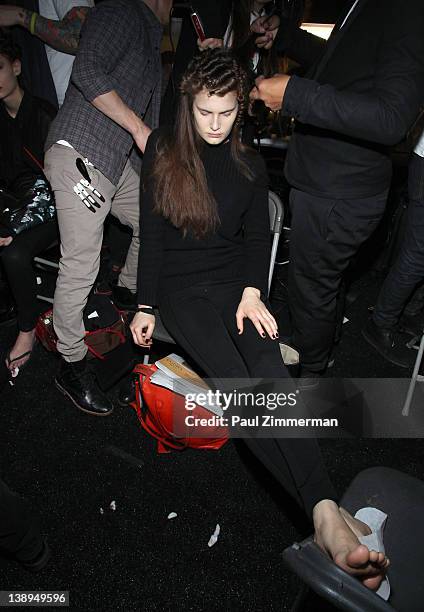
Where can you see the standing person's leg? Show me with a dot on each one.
(325, 236)
(126, 207)
(17, 259)
(81, 233)
(20, 534)
(408, 269)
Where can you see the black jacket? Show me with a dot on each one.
(362, 92)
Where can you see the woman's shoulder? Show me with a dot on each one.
(160, 135)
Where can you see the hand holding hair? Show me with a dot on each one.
(271, 91)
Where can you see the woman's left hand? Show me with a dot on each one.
(252, 307)
(5, 241)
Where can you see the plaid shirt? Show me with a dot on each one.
(119, 50)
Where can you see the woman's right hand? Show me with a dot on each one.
(209, 43)
(142, 327)
(5, 241)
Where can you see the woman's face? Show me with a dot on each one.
(214, 116)
(9, 72)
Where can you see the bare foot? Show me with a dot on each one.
(24, 343)
(336, 532)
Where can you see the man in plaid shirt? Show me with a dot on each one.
(111, 105)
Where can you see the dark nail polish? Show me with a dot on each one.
(277, 335)
(263, 335)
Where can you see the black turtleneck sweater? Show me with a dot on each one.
(238, 250)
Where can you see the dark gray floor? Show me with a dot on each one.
(134, 558)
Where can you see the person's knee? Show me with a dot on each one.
(15, 256)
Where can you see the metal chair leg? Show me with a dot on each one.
(409, 396)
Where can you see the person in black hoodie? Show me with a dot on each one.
(24, 124)
(204, 259)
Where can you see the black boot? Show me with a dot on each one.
(126, 393)
(389, 344)
(78, 383)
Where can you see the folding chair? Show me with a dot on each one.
(401, 497)
(414, 379)
(45, 264)
(276, 216)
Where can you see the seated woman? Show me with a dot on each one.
(24, 123)
(204, 257)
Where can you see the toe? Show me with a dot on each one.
(372, 583)
(374, 556)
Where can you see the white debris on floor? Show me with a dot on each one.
(102, 511)
(112, 505)
(172, 515)
(214, 537)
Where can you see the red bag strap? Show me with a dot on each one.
(144, 369)
(148, 426)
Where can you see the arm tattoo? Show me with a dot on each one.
(61, 35)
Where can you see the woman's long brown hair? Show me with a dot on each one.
(182, 193)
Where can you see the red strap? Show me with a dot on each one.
(34, 159)
(144, 369)
(148, 426)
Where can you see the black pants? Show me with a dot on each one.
(326, 234)
(408, 269)
(202, 321)
(20, 534)
(17, 260)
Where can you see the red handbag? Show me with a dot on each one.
(165, 413)
(99, 342)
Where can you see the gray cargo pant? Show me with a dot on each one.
(81, 235)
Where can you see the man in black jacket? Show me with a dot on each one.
(362, 91)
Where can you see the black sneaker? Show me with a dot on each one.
(308, 380)
(126, 393)
(78, 383)
(388, 344)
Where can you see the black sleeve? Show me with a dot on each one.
(151, 229)
(384, 114)
(47, 113)
(301, 46)
(256, 228)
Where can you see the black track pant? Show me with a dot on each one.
(17, 260)
(19, 530)
(202, 321)
(326, 235)
(408, 269)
